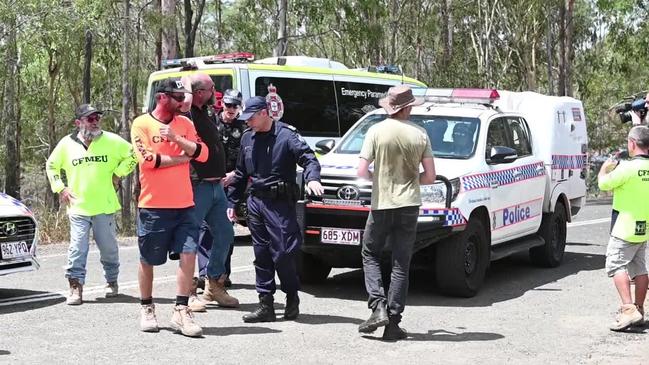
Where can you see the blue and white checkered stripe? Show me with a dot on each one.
(571, 162)
(452, 217)
(15, 202)
(503, 177)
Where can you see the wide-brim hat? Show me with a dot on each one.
(399, 97)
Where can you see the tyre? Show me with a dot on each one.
(461, 261)
(553, 231)
(311, 269)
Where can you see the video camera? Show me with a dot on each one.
(638, 106)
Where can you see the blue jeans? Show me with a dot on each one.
(211, 206)
(105, 233)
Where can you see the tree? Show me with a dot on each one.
(125, 125)
(282, 41)
(10, 118)
(192, 27)
(168, 30)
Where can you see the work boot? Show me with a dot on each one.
(628, 315)
(292, 309)
(111, 290)
(393, 332)
(378, 319)
(264, 313)
(227, 282)
(76, 292)
(148, 320)
(198, 283)
(182, 321)
(215, 291)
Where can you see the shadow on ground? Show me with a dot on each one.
(45, 299)
(444, 336)
(506, 279)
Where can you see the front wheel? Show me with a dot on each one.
(553, 231)
(461, 261)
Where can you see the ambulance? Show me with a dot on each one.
(511, 173)
(322, 98)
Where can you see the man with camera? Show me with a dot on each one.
(625, 253)
(639, 111)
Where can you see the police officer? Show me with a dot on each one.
(268, 155)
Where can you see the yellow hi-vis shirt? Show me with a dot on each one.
(89, 171)
(630, 184)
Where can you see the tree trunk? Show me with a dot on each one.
(125, 191)
(447, 32)
(87, 66)
(168, 30)
(562, 49)
(191, 29)
(157, 5)
(548, 44)
(12, 159)
(569, 47)
(282, 41)
(53, 70)
(219, 27)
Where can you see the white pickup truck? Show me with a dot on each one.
(512, 170)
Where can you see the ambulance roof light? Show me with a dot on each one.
(190, 62)
(475, 96)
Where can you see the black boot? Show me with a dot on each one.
(264, 313)
(292, 309)
(392, 331)
(378, 318)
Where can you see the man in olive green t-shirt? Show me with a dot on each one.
(93, 161)
(625, 253)
(397, 147)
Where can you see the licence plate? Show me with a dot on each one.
(340, 236)
(11, 250)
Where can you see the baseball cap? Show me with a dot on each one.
(85, 110)
(251, 106)
(171, 86)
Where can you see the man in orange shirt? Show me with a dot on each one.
(164, 143)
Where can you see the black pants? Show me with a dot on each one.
(398, 227)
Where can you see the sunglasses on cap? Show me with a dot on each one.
(176, 97)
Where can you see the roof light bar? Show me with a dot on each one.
(219, 58)
(476, 96)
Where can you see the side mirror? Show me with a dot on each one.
(502, 154)
(325, 146)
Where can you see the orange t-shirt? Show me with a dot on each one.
(164, 187)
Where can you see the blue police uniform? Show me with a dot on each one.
(268, 160)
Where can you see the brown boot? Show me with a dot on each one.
(76, 292)
(215, 291)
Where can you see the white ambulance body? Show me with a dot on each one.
(516, 166)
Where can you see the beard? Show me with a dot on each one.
(88, 134)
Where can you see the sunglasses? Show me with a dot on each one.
(93, 118)
(176, 97)
(228, 105)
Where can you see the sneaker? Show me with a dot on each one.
(182, 321)
(111, 289)
(76, 292)
(627, 315)
(148, 320)
(641, 310)
(197, 305)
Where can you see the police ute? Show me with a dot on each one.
(511, 170)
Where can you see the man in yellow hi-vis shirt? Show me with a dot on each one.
(93, 160)
(625, 254)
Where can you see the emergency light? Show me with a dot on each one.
(476, 96)
(190, 63)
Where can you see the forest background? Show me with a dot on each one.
(594, 50)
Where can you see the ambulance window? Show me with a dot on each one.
(221, 83)
(520, 136)
(309, 105)
(496, 135)
(356, 99)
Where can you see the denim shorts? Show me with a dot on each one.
(163, 232)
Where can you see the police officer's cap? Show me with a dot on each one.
(251, 106)
(232, 96)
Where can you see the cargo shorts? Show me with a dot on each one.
(626, 256)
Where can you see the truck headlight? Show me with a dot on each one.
(436, 193)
